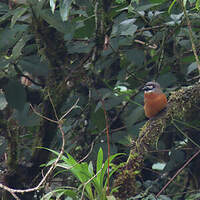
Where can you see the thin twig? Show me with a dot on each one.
(186, 136)
(108, 140)
(68, 168)
(59, 122)
(54, 109)
(37, 113)
(90, 180)
(177, 173)
(20, 73)
(190, 35)
(15, 196)
(70, 110)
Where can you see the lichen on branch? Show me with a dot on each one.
(181, 105)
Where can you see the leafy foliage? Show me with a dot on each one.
(87, 175)
(94, 51)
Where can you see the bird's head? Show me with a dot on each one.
(152, 87)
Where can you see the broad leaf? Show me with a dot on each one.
(136, 115)
(167, 79)
(147, 6)
(98, 120)
(59, 192)
(80, 47)
(26, 117)
(52, 5)
(3, 102)
(192, 67)
(3, 62)
(15, 95)
(126, 27)
(9, 37)
(65, 6)
(99, 164)
(34, 66)
(135, 56)
(16, 52)
(54, 20)
(18, 12)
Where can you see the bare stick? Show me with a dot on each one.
(37, 113)
(90, 180)
(191, 36)
(59, 122)
(54, 109)
(177, 173)
(70, 110)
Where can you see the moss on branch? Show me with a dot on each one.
(181, 105)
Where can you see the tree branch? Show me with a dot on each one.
(182, 104)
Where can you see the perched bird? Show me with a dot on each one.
(154, 99)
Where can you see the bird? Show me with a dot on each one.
(154, 99)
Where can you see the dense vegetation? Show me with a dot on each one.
(71, 73)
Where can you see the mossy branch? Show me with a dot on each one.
(181, 104)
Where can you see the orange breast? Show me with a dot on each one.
(154, 103)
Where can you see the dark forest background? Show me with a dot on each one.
(72, 71)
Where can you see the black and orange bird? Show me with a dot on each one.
(154, 99)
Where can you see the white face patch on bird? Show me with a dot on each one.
(151, 87)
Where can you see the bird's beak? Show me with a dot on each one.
(144, 88)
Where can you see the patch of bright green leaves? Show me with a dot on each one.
(88, 175)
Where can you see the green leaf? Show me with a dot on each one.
(60, 192)
(177, 157)
(16, 52)
(158, 1)
(126, 28)
(188, 59)
(52, 5)
(158, 166)
(9, 37)
(194, 196)
(3, 7)
(113, 101)
(3, 145)
(104, 62)
(197, 4)
(80, 47)
(135, 56)
(18, 12)
(3, 102)
(167, 79)
(55, 21)
(105, 168)
(65, 6)
(171, 5)
(136, 115)
(80, 170)
(6, 16)
(98, 119)
(110, 198)
(184, 2)
(15, 95)
(25, 117)
(99, 164)
(4, 62)
(85, 28)
(90, 168)
(37, 6)
(192, 67)
(34, 66)
(147, 6)
(176, 17)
